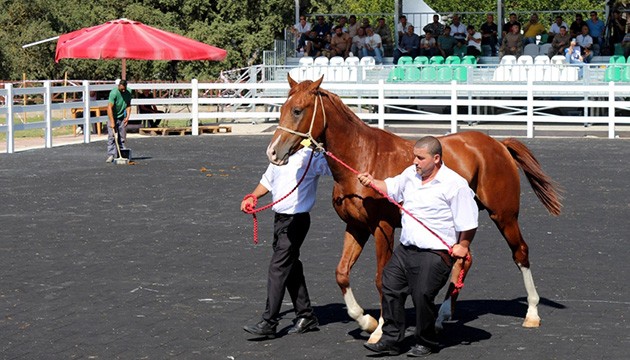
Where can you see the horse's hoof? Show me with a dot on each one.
(531, 323)
(375, 337)
(444, 316)
(368, 323)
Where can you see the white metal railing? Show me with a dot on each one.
(451, 103)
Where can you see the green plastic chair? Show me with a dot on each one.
(619, 59)
(412, 74)
(404, 60)
(469, 59)
(421, 60)
(625, 74)
(396, 74)
(444, 74)
(613, 73)
(460, 74)
(453, 60)
(437, 59)
(429, 73)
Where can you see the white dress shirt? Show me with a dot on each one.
(446, 205)
(281, 179)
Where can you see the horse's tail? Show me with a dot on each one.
(546, 189)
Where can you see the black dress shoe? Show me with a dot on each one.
(303, 325)
(383, 348)
(263, 328)
(419, 351)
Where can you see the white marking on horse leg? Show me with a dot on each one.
(271, 155)
(377, 333)
(366, 322)
(531, 319)
(444, 314)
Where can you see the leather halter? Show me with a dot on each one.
(309, 135)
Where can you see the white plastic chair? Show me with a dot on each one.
(320, 67)
(504, 71)
(337, 70)
(522, 72)
(558, 63)
(542, 68)
(352, 64)
(367, 63)
(305, 69)
(531, 50)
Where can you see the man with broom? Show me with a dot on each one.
(118, 112)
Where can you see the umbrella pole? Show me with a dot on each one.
(124, 69)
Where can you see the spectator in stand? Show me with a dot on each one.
(148, 109)
(555, 28)
(585, 42)
(617, 27)
(436, 27)
(574, 56)
(314, 44)
(446, 43)
(401, 27)
(409, 44)
(596, 29)
(576, 26)
(385, 33)
(474, 42)
(353, 26)
(508, 25)
(561, 41)
(365, 22)
(321, 27)
(340, 43)
(373, 46)
(327, 49)
(460, 49)
(512, 43)
(343, 23)
(358, 42)
(458, 30)
(625, 43)
(489, 34)
(428, 45)
(531, 29)
(300, 31)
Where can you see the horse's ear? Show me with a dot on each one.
(315, 85)
(292, 82)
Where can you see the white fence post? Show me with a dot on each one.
(381, 105)
(453, 107)
(87, 126)
(9, 103)
(611, 110)
(195, 106)
(48, 113)
(530, 107)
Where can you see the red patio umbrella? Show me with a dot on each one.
(128, 39)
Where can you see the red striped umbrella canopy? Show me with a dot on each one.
(128, 39)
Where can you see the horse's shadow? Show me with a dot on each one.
(456, 332)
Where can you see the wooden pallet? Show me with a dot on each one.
(205, 129)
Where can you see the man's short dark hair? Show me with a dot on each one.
(431, 143)
(123, 82)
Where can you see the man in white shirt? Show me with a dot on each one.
(474, 41)
(555, 28)
(420, 266)
(373, 45)
(291, 224)
(458, 30)
(585, 42)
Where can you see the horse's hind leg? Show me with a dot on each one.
(353, 243)
(520, 254)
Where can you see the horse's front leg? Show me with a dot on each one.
(353, 243)
(447, 309)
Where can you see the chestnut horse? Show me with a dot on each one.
(489, 166)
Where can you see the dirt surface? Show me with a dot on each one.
(155, 260)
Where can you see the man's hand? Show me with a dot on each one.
(459, 251)
(365, 179)
(247, 203)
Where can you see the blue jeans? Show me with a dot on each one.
(122, 136)
(377, 53)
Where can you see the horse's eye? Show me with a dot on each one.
(297, 112)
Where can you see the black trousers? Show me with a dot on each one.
(285, 268)
(421, 274)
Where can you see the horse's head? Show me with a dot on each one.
(301, 117)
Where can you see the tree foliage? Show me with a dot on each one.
(243, 27)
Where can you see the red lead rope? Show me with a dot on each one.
(460, 278)
(251, 209)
